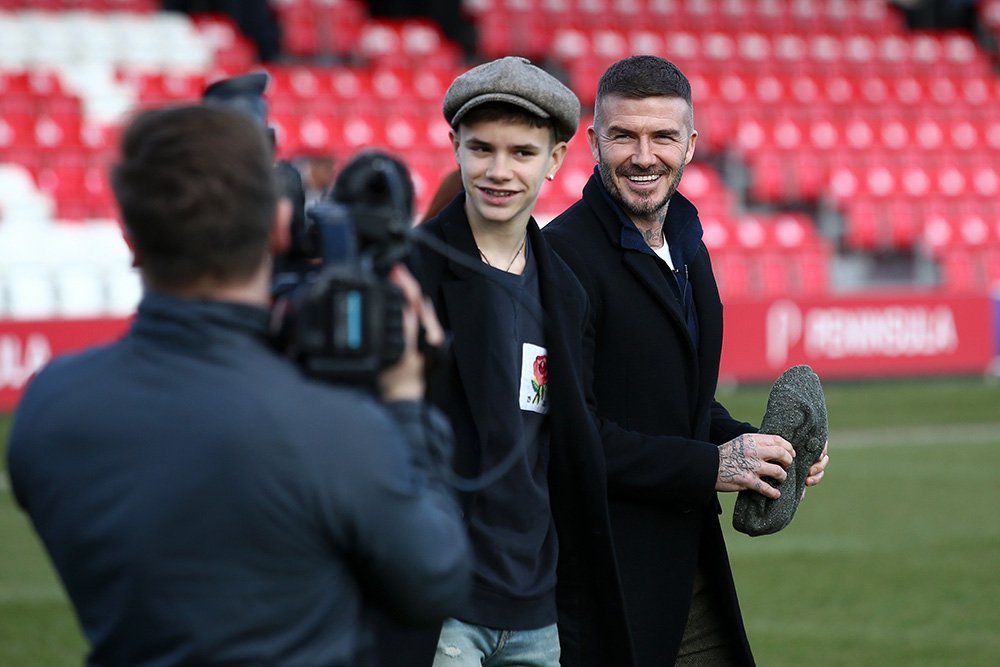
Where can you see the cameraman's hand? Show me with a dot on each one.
(404, 380)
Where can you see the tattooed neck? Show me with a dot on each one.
(654, 237)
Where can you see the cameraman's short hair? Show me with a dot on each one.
(197, 193)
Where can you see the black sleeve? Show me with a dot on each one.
(388, 506)
(670, 469)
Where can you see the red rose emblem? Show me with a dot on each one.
(541, 370)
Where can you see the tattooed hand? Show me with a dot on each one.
(746, 460)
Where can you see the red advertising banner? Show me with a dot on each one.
(877, 335)
(864, 336)
(27, 346)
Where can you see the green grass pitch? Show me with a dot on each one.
(893, 560)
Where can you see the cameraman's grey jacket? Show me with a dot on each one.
(205, 504)
(591, 620)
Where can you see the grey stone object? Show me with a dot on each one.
(796, 410)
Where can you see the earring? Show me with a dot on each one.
(551, 177)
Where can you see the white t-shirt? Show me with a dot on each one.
(663, 252)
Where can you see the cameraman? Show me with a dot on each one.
(202, 502)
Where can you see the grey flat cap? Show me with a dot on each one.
(796, 410)
(516, 81)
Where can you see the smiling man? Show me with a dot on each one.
(545, 587)
(652, 365)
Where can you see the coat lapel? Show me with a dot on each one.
(466, 295)
(644, 267)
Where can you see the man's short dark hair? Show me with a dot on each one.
(197, 193)
(511, 113)
(639, 77)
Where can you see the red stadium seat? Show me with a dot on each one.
(962, 270)
(319, 133)
(859, 134)
(773, 274)
(975, 91)
(860, 50)
(803, 89)
(879, 180)
(928, 134)
(751, 233)
(790, 50)
(732, 272)
(788, 133)
(648, 42)
(610, 44)
(861, 229)
(990, 132)
(362, 132)
(937, 233)
(812, 268)
(915, 181)
(902, 220)
(733, 88)
(429, 84)
(684, 46)
(299, 36)
(17, 131)
(963, 135)
(436, 133)
(909, 90)
(350, 84)
(391, 83)
(985, 179)
(569, 182)
(893, 134)
(718, 50)
(286, 133)
(404, 133)
(791, 232)
(810, 173)
(768, 180)
(823, 133)
(56, 132)
(951, 180)
(974, 231)
(753, 47)
(991, 259)
(715, 232)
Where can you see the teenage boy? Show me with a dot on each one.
(545, 580)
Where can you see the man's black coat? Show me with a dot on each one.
(654, 391)
(591, 619)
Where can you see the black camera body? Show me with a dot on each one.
(334, 311)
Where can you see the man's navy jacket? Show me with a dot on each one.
(205, 504)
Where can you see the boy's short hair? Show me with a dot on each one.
(507, 112)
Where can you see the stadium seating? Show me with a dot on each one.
(825, 105)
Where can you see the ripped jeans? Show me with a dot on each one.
(465, 645)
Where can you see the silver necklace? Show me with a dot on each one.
(512, 259)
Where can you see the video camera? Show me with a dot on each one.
(334, 311)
